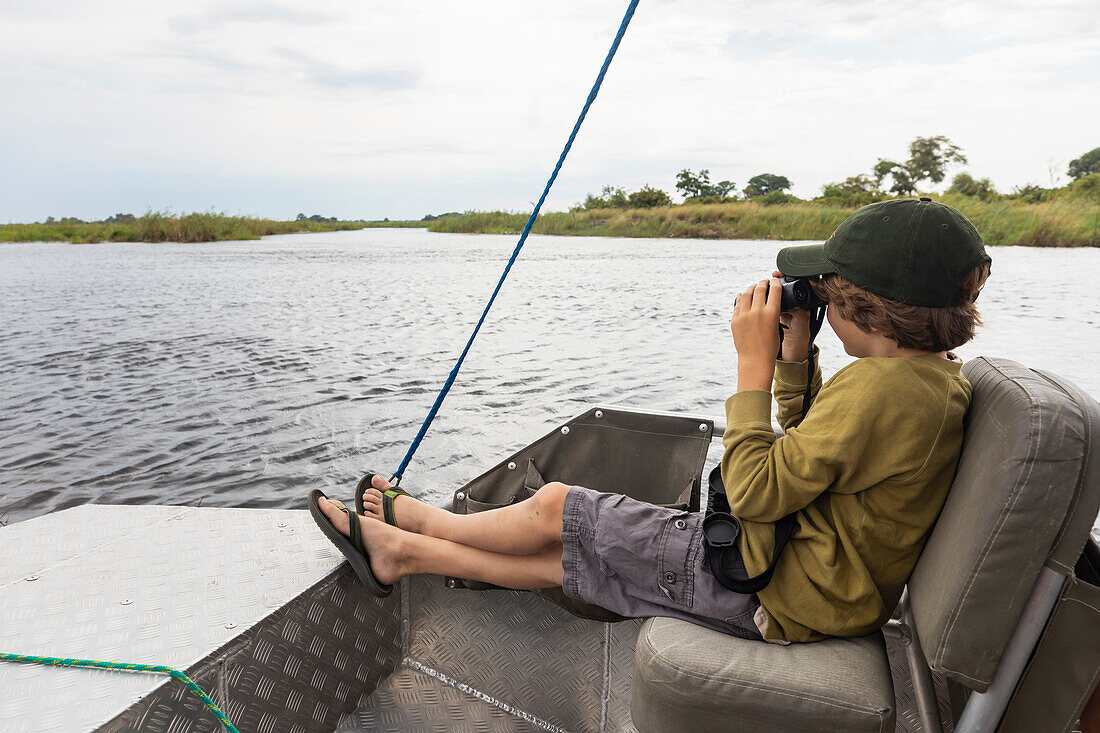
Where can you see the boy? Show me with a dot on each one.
(866, 470)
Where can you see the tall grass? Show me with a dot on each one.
(741, 220)
(1059, 223)
(161, 227)
(1063, 222)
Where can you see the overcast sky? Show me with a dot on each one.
(398, 109)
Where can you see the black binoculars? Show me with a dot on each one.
(797, 295)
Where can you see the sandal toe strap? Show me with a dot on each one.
(355, 530)
(387, 504)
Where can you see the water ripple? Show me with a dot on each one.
(246, 373)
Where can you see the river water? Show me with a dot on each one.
(246, 373)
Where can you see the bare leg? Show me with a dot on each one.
(395, 553)
(520, 529)
(430, 555)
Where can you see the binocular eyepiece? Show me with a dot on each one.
(797, 295)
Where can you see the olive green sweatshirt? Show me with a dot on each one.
(867, 470)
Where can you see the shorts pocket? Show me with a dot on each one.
(675, 560)
(626, 538)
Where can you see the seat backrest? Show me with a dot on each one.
(1026, 493)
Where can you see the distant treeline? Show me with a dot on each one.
(928, 163)
(1066, 216)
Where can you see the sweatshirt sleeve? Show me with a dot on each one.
(790, 386)
(768, 477)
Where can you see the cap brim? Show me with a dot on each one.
(803, 261)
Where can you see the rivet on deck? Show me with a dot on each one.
(31, 578)
(126, 601)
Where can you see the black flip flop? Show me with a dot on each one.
(351, 547)
(387, 498)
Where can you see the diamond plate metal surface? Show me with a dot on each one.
(521, 650)
(172, 707)
(30, 547)
(311, 666)
(251, 601)
(256, 606)
(410, 701)
(624, 637)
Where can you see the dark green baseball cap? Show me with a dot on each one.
(909, 250)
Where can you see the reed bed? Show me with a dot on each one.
(161, 227)
(1066, 222)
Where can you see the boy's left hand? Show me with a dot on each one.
(755, 327)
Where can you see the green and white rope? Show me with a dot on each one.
(155, 668)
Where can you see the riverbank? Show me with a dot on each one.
(1059, 223)
(156, 227)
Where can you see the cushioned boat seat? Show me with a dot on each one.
(690, 678)
(1025, 495)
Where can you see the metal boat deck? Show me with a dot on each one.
(258, 608)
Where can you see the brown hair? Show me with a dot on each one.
(910, 326)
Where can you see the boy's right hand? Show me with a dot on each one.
(796, 337)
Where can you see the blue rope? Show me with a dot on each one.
(519, 245)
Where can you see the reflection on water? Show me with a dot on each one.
(245, 373)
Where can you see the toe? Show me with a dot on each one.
(331, 509)
(380, 483)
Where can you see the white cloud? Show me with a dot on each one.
(383, 109)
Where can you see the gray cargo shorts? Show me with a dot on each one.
(641, 560)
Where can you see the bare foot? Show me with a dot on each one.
(381, 541)
(409, 513)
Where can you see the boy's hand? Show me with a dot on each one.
(755, 327)
(796, 339)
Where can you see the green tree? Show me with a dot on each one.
(615, 197)
(611, 197)
(929, 158)
(850, 186)
(853, 191)
(697, 185)
(1086, 164)
(776, 197)
(1032, 193)
(967, 185)
(901, 182)
(648, 197)
(766, 183)
(1086, 187)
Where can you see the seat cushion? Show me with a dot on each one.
(690, 678)
(1025, 494)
